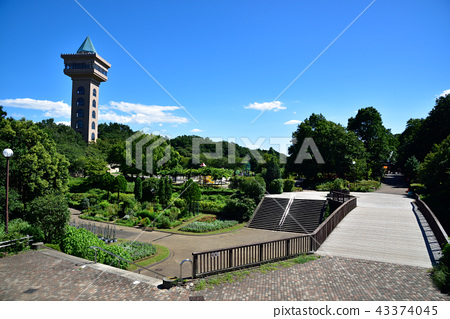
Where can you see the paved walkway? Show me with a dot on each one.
(48, 275)
(383, 227)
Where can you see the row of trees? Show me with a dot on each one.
(361, 149)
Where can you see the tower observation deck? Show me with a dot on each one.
(87, 70)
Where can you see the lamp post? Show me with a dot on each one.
(354, 172)
(7, 153)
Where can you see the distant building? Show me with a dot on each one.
(87, 70)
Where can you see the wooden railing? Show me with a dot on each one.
(324, 230)
(433, 222)
(226, 259)
(339, 196)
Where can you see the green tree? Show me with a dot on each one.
(273, 171)
(435, 170)
(408, 141)
(412, 166)
(120, 185)
(68, 142)
(107, 182)
(15, 205)
(150, 189)
(379, 142)
(138, 189)
(50, 213)
(337, 147)
(165, 190)
(191, 193)
(2, 113)
(37, 167)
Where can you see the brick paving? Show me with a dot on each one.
(39, 275)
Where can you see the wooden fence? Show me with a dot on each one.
(226, 259)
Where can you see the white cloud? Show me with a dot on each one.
(292, 122)
(50, 108)
(124, 112)
(196, 130)
(266, 106)
(67, 123)
(445, 93)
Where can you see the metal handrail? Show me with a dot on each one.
(118, 257)
(14, 241)
(181, 268)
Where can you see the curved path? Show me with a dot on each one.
(182, 246)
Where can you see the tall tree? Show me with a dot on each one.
(36, 167)
(138, 189)
(120, 184)
(165, 190)
(337, 147)
(378, 141)
(191, 193)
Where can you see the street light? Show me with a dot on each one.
(354, 172)
(7, 153)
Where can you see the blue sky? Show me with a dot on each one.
(229, 69)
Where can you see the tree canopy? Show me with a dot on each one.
(337, 146)
(36, 167)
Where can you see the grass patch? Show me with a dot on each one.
(176, 230)
(239, 275)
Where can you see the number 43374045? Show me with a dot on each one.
(405, 310)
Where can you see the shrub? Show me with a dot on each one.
(441, 272)
(18, 228)
(276, 186)
(76, 242)
(208, 206)
(180, 203)
(288, 185)
(145, 222)
(239, 208)
(253, 187)
(50, 213)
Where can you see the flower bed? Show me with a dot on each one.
(204, 227)
(138, 250)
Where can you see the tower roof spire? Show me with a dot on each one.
(86, 46)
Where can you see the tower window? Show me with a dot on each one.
(80, 102)
(94, 104)
(80, 90)
(79, 124)
(93, 136)
(93, 114)
(94, 93)
(93, 125)
(80, 113)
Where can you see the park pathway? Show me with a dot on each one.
(383, 227)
